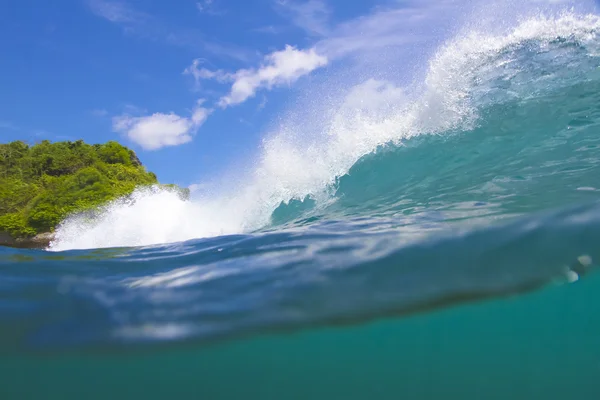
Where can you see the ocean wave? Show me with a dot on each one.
(479, 181)
(470, 81)
(335, 273)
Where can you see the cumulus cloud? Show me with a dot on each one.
(279, 68)
(159, 130)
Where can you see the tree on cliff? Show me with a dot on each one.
(41, 184)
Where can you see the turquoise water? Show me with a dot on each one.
(542, 345)
(442, 245)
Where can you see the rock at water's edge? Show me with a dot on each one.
(40, 241)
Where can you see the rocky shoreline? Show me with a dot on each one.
(40, 241)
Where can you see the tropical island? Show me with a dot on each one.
(42, 184)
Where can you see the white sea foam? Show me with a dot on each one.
(293, 165)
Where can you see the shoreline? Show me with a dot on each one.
(40, 241)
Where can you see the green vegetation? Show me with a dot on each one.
(40, 185)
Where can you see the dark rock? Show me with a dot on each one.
(40, 241)
(6, 239)
(134, 159)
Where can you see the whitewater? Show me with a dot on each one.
(433, 235)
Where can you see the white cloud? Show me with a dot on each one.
(280, 67)
(384, 28)
(412, 23)
(204, 5)
(311, 15)
(116, 11)
(208, 7)
(203, 73)
(262, 104)
(159, 130)
(200, 114)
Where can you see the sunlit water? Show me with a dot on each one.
(441, 245)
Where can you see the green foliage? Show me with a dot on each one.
(114, 153)
(40, 185)
(16, 225)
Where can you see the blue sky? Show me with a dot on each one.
(190, 85)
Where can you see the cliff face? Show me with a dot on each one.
(42, 184)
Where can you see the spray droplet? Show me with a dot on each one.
(585, 260)
(572, 276)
